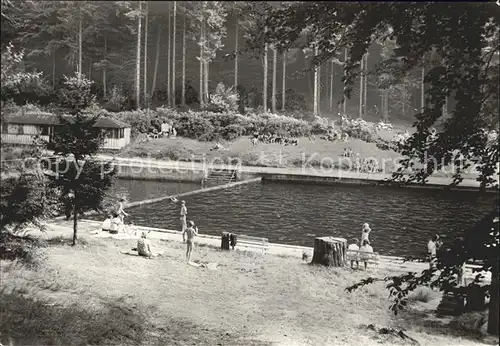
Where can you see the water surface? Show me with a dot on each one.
(402, 220)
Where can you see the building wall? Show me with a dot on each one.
(29, 131)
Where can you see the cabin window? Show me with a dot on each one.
(122, 133)
(20, 130)
(44, 130)
(112, 133)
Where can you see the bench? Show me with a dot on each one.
(252, 242)
(361, 256)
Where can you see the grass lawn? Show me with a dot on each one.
(93, 294)
(315, 153)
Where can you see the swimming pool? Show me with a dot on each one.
(402, 220)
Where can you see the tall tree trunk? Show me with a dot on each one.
(138, 62)
(146, 103)
(315, 93)
(236, 56)
(169, 76)
(157, 59)
(318, 82)
(104, 70)
(80, 60)
(205, 70)
(332, 73)
(202, 94)
(173, 54)
(283, 96)
(53, 68)
(75, 221)
(403, 108)
(361, 88)
(90, 69)
(275, 60)
(183, 92)
(445, 107)
(264, 89)
(344, 99)
(422, 88)
(365, 81)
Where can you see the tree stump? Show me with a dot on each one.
(224, 245)
(330, 251)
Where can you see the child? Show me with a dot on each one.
(183, 216)
(191, 232)
(365, 233)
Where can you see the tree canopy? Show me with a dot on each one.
(464, 35)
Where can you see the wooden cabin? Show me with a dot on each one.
(21, 129)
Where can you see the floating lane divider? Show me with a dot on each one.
(207, 189)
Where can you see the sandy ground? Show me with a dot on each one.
(251, 299)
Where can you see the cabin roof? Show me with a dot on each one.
(52, 119)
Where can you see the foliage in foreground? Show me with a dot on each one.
(82, 180)
(466, 38)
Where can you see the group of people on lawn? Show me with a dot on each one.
(356, 253)
(114, 224)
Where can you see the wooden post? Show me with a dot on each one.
(224, 245)
(330, 251)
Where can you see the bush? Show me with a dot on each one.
(117, 99)
(223, 100)
(422, 294)
(191, 95)
(472, 322)
(360, 129)
(76, 94)
(207, 126)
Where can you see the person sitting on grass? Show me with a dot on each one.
(106, 225)
(366, 252)
(116, 222)
(354, 256)
(191, 231)
(144, 247)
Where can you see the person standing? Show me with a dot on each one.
(191, 231)
(365, 233)
(120, 211)
(432, 247)
(183, 215)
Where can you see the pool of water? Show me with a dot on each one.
(402, 220)
(138, 190)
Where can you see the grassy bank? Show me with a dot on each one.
(94, 294)
(310, 153)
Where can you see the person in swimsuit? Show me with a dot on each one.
(120, 211)
(191, 231)
(365, 233)
(183, 214)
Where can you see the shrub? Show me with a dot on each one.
(191, 95)
(422, 294)
(117, 100)
(76, 94)
(223, 100)
(360, 129)
(472, 322)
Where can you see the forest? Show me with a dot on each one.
(141, 54)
